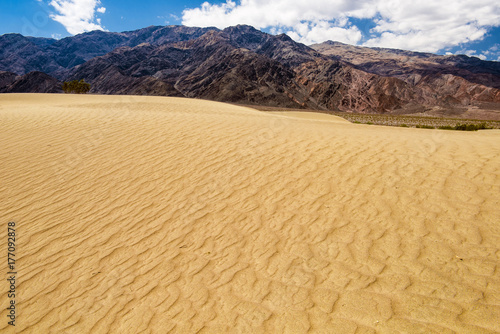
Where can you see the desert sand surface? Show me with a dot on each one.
(316, 116)
(158, 215)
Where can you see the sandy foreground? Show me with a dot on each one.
(156, 215)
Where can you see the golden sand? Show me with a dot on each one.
(157, 215)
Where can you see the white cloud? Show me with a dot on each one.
(309, 33)
(425, 25)
(492, 53)
(305, 21)
(433, 25)
(471, 53)
(77, 16)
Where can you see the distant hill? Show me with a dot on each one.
(244, 65)
(411, 66)
(33, 82)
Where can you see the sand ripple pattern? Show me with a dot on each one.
(167, 215)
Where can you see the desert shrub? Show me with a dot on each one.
(403, 125)
(465, 127)
(471, 127)
(482, 126)
(424, 126)
(461, 127)
(75, 86)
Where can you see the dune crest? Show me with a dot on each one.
(153, 214)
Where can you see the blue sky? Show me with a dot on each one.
(453, 26)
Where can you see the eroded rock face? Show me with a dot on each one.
(438, 80)
(6, 78)
(33, 82)
(242, 64)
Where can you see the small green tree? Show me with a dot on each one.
(75, 86)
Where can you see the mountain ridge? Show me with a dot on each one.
(244, 65)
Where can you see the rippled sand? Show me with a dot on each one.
(153, 214)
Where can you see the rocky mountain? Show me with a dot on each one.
(411, 66)
(21, 54)
(7, 78)
(209, 67)
(33, 82)
(244, 65)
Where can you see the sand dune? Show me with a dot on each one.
(157, 215)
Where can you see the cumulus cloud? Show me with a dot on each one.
(425, 25)
(313, 32)
(305, 21)
(433, 25)
(78, 16)
(492, 53)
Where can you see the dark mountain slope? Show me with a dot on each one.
(408, 65)
(33, 82)
(208, 67)
(6, 78)
(242, 64)
(21, 54)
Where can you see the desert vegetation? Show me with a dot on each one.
(75, 86)
(405, 121)
(422, 122)
(466, 127)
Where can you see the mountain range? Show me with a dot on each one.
(241, 64)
